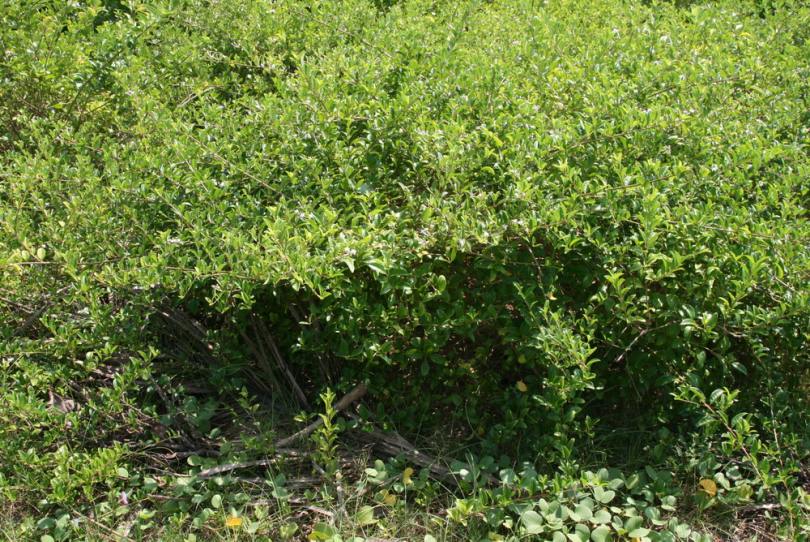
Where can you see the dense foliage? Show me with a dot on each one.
(564, 232)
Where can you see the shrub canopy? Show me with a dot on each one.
(507, 213)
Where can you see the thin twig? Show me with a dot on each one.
(32, 318)
(394, 444)
(264, 333)
(261, 358)
(354, 395)
(229, 467)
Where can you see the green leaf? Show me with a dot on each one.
(633, 523)
(601, 516)
(584, 512)
(668, 503)
(216, 501)
(603, 496)
(581, 533)
(532, 522)
(194, 460)
(683, 530)
(287, 530)
(146, 514)
(365, 516)
(601, 534)
(376, 266)
(638, 533)
(654, 515)
(323, 532)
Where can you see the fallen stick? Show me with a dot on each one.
(228, 467)
(394, 444)
(264, 333)
(767, 507)
(282, 449)
(294, 484)
(357, 392)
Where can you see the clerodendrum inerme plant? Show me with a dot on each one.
(518, 218)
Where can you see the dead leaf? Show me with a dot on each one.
(709, 486)
(233, 522)
(60, 403)
(406, 476)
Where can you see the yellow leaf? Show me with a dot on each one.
(406, 476)
(522, 387)
(390, 499)
(233, 522)
(709, 487)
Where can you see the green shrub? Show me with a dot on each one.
(536, 221)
